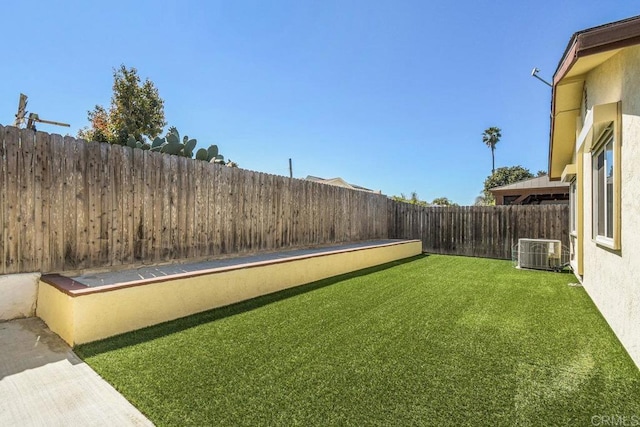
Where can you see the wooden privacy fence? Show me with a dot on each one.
(67, 204)
(480, 231)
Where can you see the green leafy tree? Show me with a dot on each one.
(413, 199)
(136, 111)
(99, 130)
(541, 173)
(481, 200)
(443, 201)
(503, 176)
(491, 137)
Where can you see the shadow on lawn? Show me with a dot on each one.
(173, 326)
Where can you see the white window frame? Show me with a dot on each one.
(606, 142)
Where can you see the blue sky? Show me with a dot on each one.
(389, 95)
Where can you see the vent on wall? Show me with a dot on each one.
(540, 254)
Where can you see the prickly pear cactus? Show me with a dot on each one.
(201, 154)
(171, 144)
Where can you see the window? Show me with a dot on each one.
(603, 184)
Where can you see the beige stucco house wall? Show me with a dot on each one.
(609, 92)
(612, 278)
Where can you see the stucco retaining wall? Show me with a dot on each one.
(81, 314)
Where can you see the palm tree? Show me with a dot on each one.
(491, 137)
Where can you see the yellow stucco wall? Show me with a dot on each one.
(56, 309)
(612, 277)
(87, 317)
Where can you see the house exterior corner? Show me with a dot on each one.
(600, 145)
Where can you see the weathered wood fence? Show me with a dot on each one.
(67, 204)
(480, 231)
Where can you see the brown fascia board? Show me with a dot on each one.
(614, 35)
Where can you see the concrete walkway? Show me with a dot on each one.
(43, 383)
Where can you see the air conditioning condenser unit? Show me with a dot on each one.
(540, 254)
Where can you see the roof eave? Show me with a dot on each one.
(593, 41)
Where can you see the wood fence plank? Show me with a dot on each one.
(188, 203)
(82, 202)
(310, 213)
(106, 206)
(94, 206)
(220, 197)
(138, 240)
(208, 199)
(69, 216)
(200, 210)
(263, 212)
(257, 213)
(41, 201)
(304, 215)
(190, 207)
(244, 225)
(275, 189)
(158, 241)
(266, 211)
(225, 209)
(231, 209)
(289, 211)
(306, 207)
(148, 215)
(214, 190)
(239, 182)
(295, 188)
(128, 195)
(247, 225)
(173, 184)
(26, 203)
(168, 219)
(12, 200)
(222, 208)
(281, 191)
(56, 204)
(117, 172)
(280, 196)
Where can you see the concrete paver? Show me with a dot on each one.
(43, 383)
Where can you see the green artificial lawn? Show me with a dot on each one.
(433, 340)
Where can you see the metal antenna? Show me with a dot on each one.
(33, 117)
(534, 73)
(22, 105)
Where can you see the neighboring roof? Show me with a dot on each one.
(340, 183)
(586, 50)
(540, 182)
